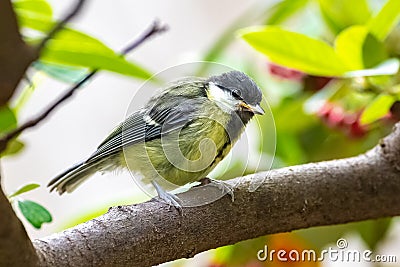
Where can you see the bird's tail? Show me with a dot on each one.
(71, 178)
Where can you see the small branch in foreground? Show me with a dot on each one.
(154, 29)
(60, 25)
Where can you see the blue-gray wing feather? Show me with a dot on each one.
(136, 128)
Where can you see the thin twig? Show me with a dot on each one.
(61, 24)
(154, 29)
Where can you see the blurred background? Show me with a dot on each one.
(318, 115)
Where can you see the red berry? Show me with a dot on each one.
(325, 110)
(336, 116)
(356, 130)
(350, 118)
(285, 73)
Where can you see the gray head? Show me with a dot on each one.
(234, 91)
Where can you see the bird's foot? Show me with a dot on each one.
(223, 186)
(168, 198)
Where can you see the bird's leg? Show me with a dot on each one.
(223, 186)
(169, 198)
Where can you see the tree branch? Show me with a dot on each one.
(60, 25)
(15, 55)
(325, 193)
(155, 28)
(16, 248)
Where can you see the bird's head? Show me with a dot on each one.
(234, 91)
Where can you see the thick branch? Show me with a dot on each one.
(15, 246)
(325, 193)
(15, 55)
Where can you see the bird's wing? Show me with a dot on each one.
(144, 126)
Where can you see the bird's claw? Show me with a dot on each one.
(223, 186)
(169, 198)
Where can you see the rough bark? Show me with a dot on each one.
(325, 193)
(15, 247)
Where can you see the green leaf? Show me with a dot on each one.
(34, 14)
(60, 72)
(342, 14)
(378, 108)
(8, 121)
(26, 92)
(387, 18)
(38, 8)
(90, 56)
(13, 147)
(388, 67)
(75, 36)
(35, 22)
(359, 49)
(373, 51)
(295, 50)
(348, 45)
(74, 48)
(284, 9)
(373, 231)
(71, 47)
(24, 189)
(35, 213)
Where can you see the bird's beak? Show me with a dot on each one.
(256, 109)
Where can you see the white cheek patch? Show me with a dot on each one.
(221, 97)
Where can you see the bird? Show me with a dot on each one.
(177, 138)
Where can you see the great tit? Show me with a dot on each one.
(179, 136)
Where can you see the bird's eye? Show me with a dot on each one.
(236, 94)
